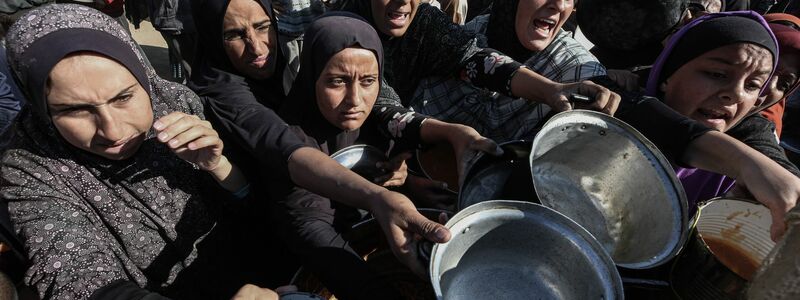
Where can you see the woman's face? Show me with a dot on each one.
(538, 21)
(720, 87)
(249, 39)
(348, 87)
(104, 111)
(784, 79)
(392, 17)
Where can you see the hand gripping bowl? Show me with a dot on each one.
(504, 249)
(606, 176)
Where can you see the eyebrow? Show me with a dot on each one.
(241, 29)
(119, 95)
(728, 63)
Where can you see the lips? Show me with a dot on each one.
(259, 62)
(349, 115)
(544, 26)
(715, 117)
(397, 19)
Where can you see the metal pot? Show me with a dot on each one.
(519, 250)
(438, 162)
(606, 176)
(362, 160)
(505, 177)
(730, 239)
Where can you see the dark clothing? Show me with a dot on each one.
(312, 224)
(434, 46)
(94, 227)
(11, 99)
(758, 133)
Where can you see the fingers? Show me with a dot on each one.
(253, 292)
(398, 171)
(286, 289)
(605, 100)
(487, 145)
(396, 163)
(178, 130)
(428, 229)
(778, 227)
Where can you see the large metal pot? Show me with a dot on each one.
(519, 250)
(729, 241)
(505, 177)
(606, 176)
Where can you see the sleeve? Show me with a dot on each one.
(258, 130)
(69, 258)
(394, 121)
(492, 70)
(124, 290)
(670, 131)
(9, 104)
(450, 49)
(757, 132)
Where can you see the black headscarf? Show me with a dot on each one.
(501, 32)
(213, 74)
(325, 37)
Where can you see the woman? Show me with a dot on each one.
(507, 28)
(420, 41)
(787, 30)
(237, 82)
(713, 71)
(331, 99)
(116, 187)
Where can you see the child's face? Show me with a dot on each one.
(720, 87)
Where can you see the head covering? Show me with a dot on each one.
(788, 43)
(213, 74)
(143, 197)
(501, 32)
(628, 25)
(707, 33)
(327, 36)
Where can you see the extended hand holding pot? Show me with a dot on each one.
(403, 226)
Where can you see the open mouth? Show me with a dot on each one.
(397, 19)
(544, 26)
(715, 115)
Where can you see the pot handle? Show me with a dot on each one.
(424, 249)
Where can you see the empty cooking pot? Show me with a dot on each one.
(606, 176)
(504, 249)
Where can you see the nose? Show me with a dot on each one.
(562, 5)
(108, 125)
(733, 93)
(353, 94)
(256, 44)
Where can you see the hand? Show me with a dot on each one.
(773, 186)
(397, 170)
(403, 226)
(605, 101)
(430, 193)
(625, 79)
(467, 144)
(192, 139)
(252, 292)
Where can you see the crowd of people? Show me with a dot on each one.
(118, 184)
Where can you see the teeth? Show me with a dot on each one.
(551, 22)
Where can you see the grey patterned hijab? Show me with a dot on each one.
(87, 221)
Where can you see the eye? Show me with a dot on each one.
(785, 83)
(716, 74)
(122, 99)
(336, 81)
(368, 81)
(73, 112)
(231, 36)
(264, 27)
(753, 85)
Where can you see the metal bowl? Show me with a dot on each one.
(504, 177)
(606, 176)
(299, 296)
(362, 160)
(519, 250)
(730, 241)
